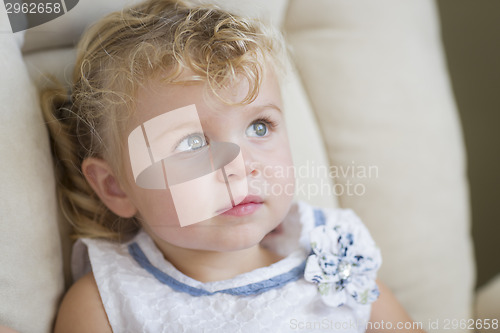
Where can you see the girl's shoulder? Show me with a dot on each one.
(100, 251)
(313, 215)
(344, 221)
(81, 309)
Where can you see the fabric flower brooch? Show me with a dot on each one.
(344, 262)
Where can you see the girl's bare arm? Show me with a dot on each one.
(388, 310)
(81, 310)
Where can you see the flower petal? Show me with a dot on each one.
(363, 289)
(333, 296)
(312, 272)
(324, 239)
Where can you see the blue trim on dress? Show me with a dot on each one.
(250, 289)
(319, 217)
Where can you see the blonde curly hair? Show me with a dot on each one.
(158, 39)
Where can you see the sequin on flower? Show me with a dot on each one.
(344, 262)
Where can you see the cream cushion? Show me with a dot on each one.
(375, 77)
(31, 279)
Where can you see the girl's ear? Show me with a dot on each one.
(105, 184)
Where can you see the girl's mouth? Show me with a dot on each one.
(248, 206)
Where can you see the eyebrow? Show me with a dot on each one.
(266, 106)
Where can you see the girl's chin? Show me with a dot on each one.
(207, 236)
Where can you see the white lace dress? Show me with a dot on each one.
(324, 283)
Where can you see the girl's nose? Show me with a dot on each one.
(228, 157)
(252, 167)
(234, 172)
(244, 166)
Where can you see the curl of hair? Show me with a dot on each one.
(79, 204)
(156, 39)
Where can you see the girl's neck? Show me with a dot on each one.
(208, 266)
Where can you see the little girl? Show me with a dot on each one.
(165, 156)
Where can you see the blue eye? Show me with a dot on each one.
(257, 129)
(192, 142)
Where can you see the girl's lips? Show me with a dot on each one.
(243, 209)
(246, 207)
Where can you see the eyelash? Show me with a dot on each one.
(266, 120)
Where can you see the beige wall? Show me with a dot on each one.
(471, 36)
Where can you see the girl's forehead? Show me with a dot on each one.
(156, 97)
